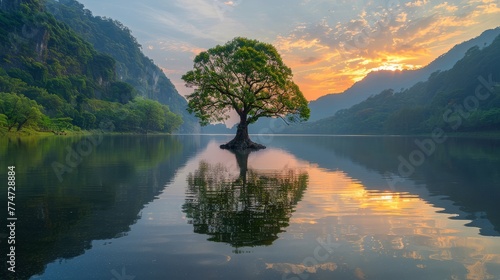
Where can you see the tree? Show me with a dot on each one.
(121, 92)
(19, 110)
(172, 120)
(152, 114)
(246, 76)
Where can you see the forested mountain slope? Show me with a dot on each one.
(377, 81)
(51, 79)
(132, 66)
(464, 98)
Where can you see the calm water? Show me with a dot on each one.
(178, 207)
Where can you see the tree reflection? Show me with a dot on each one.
(242, 207)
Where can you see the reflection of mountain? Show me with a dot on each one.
(100, 199)
(249, 208)
(463, 170)
(378, 81)
(366, 228)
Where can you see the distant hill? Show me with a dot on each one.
(218, 129)
(375, 82)
(464, 98)
(132, 66)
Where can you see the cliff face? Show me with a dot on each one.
(41, 38)
(27, 36)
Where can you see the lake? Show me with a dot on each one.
(307, 207)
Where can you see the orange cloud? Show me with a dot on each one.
(448, 7)
(489, 7)
(329, 57)
(418, 3)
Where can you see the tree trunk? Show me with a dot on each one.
(242, 141)
(242, 160)
(20, 124)
(242, 133)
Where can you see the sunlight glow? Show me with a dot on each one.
(395, 67)
(346, 210)
(367, 217)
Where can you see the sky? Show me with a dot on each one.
(329, 45)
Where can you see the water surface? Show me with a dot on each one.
(307, 207)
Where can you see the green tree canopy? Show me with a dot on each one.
(19, 110)
(246, 76)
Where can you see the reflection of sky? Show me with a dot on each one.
(398, 224)
(328, 44)
(373, 232)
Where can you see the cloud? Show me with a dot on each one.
(402, 17)
(446, 6)
(178, 46)
(198, 9)
(310, 60)
(418, 3)
(328, 44)
(378, 37)
(301, 268)
(487, 6)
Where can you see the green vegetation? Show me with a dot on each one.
(18, 110)
(246, 76)
(53, 80)
(465, 98)
(127, 173)
(245, 211)
(111, 37)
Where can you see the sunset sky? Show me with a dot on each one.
(328, 44)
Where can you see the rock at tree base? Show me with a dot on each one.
(242, 145)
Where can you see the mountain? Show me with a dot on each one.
(465, 98)
(52, 79)
(111, 37)
(374, 83)
(377, 81)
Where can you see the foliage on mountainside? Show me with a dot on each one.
(111, 37)
(465, 98)
(51, 80)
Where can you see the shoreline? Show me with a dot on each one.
(33, 133)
